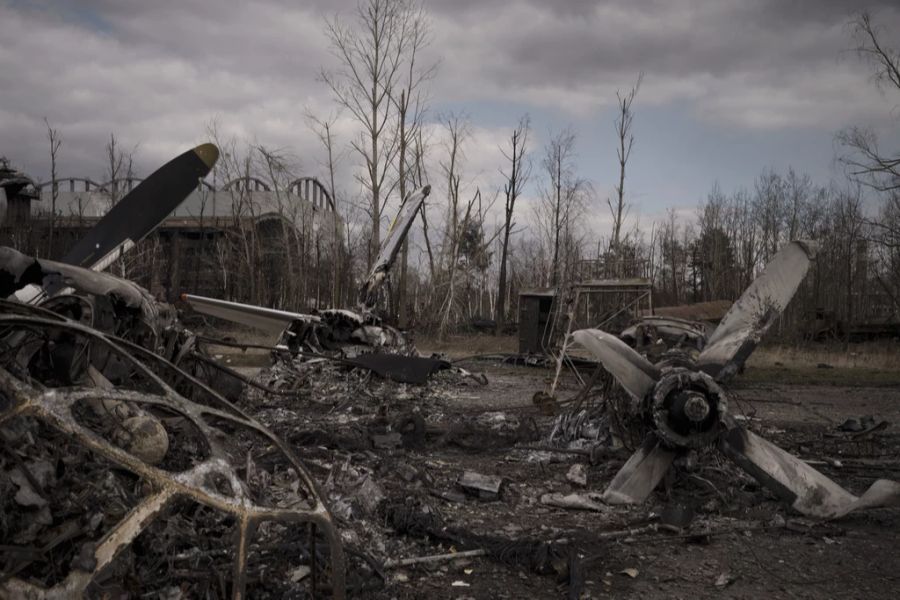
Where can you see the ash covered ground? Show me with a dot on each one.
(390, 458)
(457, 489)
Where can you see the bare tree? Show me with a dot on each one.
(560, 197)
(618, 208)
(323, 128)
(119, 167)
(516, 178)
(456, 130)
(242, 249)
(373, 53)
(275, 165)
(55, 140)
(410, 106)
(770, 207)
(864, 159)
(420, 178)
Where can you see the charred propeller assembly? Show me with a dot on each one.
(686, 407)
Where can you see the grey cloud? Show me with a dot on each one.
(155, 72)
(672, 38)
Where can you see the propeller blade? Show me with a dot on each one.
(143, 208)
(807, 490)
(634, 372)
(750, 317)
(266, 319)
(640, 475)
(392, 243)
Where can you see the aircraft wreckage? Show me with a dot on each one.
(94, 364)
(91, 370)
(682, 399)
(120, 435)
(356, 338)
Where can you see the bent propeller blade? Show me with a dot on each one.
(640, 475)
(794, 481)
(634, 372)
(391, 245)
(750, 317)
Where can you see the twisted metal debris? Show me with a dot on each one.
(46, 362)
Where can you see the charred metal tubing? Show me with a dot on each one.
(594, 454)
(54, 406)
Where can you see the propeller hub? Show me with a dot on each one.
(695, 407)
(686, 408)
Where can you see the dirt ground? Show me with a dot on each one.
(394, 499)
(741, 543)
(757, 548)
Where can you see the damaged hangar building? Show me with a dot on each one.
(195, 248)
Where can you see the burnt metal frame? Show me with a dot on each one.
(639, 289)
(54, 407)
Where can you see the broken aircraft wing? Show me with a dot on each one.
(266, 319)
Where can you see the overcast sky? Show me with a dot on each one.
(730, 86)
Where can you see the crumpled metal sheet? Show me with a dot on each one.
(32, 271)
(17, 271)
(399, 368)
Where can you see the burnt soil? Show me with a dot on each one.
(387, 457)
(741, 543)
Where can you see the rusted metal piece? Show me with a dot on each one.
(22, 395)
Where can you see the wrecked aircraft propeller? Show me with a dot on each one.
(135, 216)
(111, 304)
(361, 337)
(688, 409)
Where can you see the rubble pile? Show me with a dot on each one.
(417, 479)
(100, 451)
(408, 471)
(123, 474)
